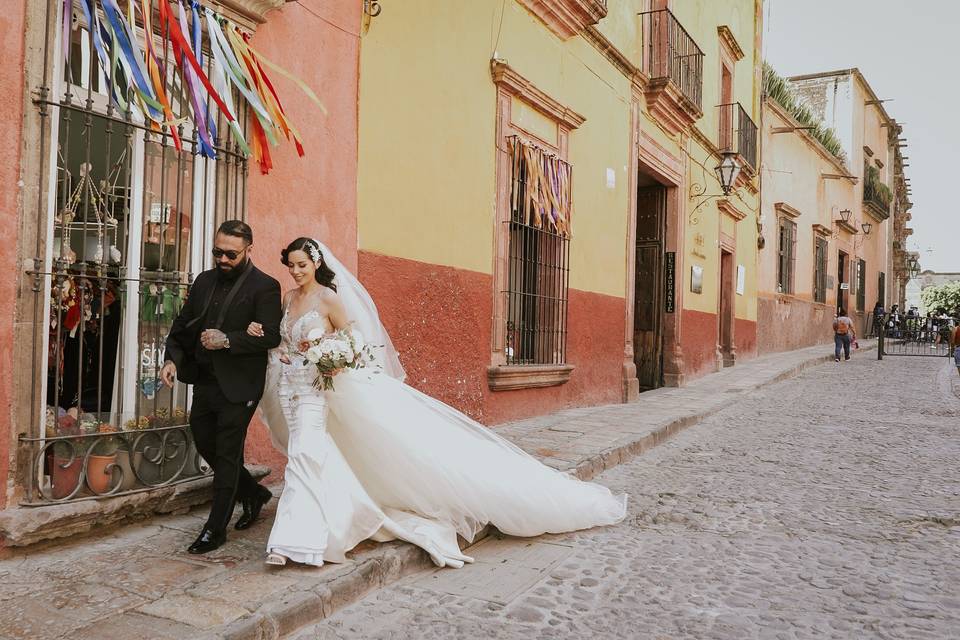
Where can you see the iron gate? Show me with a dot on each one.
(916, 335)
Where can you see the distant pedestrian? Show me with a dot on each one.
(843, 335)
(893, 324)
(878, 314)
(955, 345)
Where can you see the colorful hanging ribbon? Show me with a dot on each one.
(139, 76)
(194, 92)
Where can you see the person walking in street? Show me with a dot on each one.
(208, 346)
(955, 346)
(878, 314)
(893, 324)
(843, 335)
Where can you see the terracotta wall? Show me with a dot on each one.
(11, 123)
(785, 324)
(745, 339)
(698, 340)
(315, 195)
(442, 332)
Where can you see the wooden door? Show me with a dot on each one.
(648, 286)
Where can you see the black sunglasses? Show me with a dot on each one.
(231, 255)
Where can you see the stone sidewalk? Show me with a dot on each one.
(139, 581)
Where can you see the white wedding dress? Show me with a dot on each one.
(375, 458)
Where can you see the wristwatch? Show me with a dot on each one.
(226, 342)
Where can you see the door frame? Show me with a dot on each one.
(655, 160)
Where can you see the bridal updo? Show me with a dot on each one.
(324, 274)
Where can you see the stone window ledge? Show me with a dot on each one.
(21, 526)
(508, 377)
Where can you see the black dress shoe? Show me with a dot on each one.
(252, 507)
(208, 540)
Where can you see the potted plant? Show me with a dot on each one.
(102, 458)
(66, 463)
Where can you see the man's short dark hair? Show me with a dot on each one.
(238, 229)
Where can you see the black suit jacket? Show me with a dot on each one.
(241, 369)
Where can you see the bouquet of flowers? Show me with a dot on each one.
(332, 352)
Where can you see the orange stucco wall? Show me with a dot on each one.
(316, 195)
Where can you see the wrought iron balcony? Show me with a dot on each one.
(876, 195)
(738, 133)
(669, 53)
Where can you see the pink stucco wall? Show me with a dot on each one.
(11, 123)
(317, 41)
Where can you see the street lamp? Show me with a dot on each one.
(845, 215)
(727, 171)
(867, 227)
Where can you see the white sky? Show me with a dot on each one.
(909, 51)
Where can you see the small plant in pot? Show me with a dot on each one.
(102, 456)
(66, 463)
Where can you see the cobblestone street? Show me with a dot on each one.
(826, 506)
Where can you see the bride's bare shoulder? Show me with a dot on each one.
(329, 296)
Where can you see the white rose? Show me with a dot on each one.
(313, 354)
(328, 346)
(315, 334)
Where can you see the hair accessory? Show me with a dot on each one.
(314, 253)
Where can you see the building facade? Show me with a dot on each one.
(110, 199)
(830, 170)
(539, 217)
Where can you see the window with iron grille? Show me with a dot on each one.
(538, 256)
(787, 240)
(129, 221)
(861, 284)
(820, 271)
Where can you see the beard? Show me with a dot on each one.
(226, 269)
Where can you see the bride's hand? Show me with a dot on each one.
(255, 329)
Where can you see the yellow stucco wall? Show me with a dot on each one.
(427, 182)
(427, 133)
(702, 230)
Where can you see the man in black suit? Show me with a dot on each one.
(208, 346)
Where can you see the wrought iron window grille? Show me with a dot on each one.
(124, 224)
(538, 260)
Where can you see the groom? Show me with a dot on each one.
(208, 347)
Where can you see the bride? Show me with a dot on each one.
(375, 458)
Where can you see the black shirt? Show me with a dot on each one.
(221, 289)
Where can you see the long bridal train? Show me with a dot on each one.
(375, 458)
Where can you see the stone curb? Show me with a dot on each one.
(295, 610)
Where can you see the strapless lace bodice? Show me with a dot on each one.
(294, 331)
(297, 377)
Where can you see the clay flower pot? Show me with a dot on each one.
(100, 472)
(65, 475)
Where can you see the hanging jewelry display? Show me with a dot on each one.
(86, 192)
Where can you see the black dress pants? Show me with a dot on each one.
(219, 430)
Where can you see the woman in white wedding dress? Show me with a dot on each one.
(375, 458)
